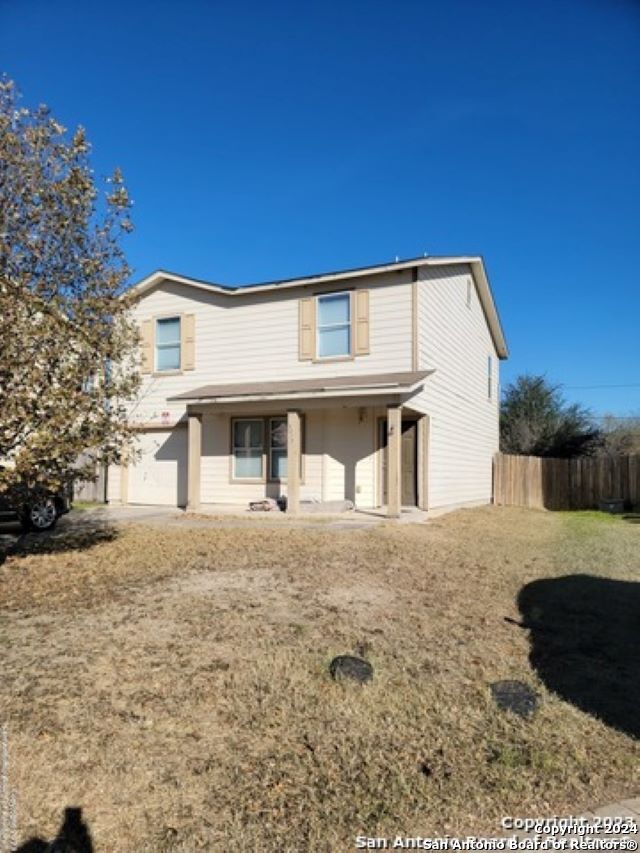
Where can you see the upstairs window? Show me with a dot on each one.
(168, 344)
(334, 325)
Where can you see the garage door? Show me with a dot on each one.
(160, 474)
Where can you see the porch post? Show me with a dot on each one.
(194, 461)
(293, 461)
(394, 463)
(423, 462)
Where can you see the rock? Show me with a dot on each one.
(515, 696)
(348, 666)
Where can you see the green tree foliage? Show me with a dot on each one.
(535, 420)
(64, 324)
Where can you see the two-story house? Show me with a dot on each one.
(376, 385)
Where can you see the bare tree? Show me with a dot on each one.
(620, 436)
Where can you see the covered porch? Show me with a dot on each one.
(318, 442)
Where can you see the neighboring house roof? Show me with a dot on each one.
(475, 262)
(376, 383)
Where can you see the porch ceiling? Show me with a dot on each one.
(317, 388)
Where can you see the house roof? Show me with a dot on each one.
(333, 386)
(474, 261)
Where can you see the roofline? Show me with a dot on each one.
(489, 307)
(318, 278)
(474, 261)
(355, 390)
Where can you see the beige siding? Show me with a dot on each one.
(339, 459)
(217, 485)
(455, 340)
(349, 456)
(256, 337)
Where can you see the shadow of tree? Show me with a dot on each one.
(585, 641)
(73, 837)
(71, 534)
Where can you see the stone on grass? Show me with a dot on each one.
(515, 696)
(348, 666)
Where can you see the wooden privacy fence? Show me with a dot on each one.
(94, 490)
(543, 483)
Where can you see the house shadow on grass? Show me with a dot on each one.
(585, 644)
(71, 534)
(73, 837)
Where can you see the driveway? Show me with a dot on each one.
(89, 519)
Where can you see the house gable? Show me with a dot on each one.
(258, 338)
(415, 267)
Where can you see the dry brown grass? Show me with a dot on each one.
(174, 682)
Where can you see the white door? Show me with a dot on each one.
(159, 476)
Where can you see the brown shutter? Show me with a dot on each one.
(146, 346)
(306, 329)
(188, 342)
(361, 323)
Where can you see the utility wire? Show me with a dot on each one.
(590, 387)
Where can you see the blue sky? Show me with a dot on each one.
(266, 140)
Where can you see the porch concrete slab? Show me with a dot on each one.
(408, 515)
(226, 515)
(277, 517)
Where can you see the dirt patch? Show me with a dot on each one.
(174, 683)
(359, 598)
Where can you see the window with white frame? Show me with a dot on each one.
(334, 325)
(168, 343)
(248, 448)
(258, 443)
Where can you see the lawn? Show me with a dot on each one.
(174, 682)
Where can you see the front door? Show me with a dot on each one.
(408, 468)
